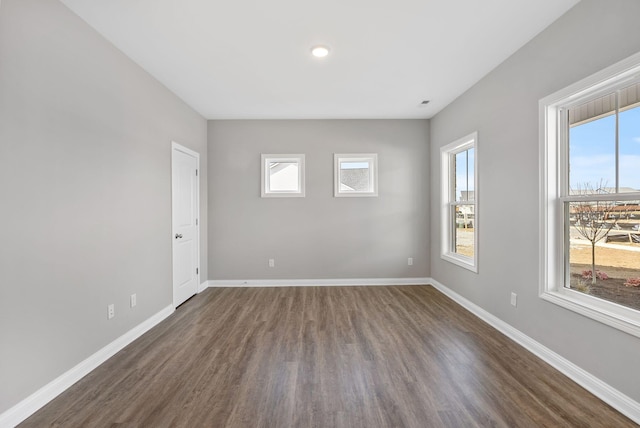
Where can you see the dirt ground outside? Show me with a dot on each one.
(620, 262)
(464, 241)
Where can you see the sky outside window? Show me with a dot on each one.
(465, 175)
(630, 148)
(592, 151)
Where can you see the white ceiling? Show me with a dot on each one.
(250, 59)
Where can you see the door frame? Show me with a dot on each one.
(176, 147)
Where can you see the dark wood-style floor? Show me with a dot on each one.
(366, 357)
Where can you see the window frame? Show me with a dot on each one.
(448, 202)
(371, 159)
(554, 194)
(265, 180)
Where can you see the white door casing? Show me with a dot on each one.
(185, 206)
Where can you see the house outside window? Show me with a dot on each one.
(355, 175)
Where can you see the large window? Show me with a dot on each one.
(459, 202)
(590, 147)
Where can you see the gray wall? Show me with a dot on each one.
(318, 236)
(503, 108)
(85, 188)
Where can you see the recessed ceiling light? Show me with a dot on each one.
(319, 51)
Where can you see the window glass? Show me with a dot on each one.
(464, 175)
(464, 231)
(283, 176)
(355, 174)
(604, 237)
(470, 175)
(630, 149)
(592, 155)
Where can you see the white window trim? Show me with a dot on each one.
(446, 180)
(552, 156)
(371, 158)
(264, 181)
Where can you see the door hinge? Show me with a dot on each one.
(196, 222)
(197, 271)
(196, 172)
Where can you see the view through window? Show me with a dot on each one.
(602, 206)
(282, 175)
(355, 174)
(459, 202)
(464, 207)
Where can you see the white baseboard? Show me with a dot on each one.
(616, 399)
(38, 399)
(203, 287)
(600, 389)
(316, 282)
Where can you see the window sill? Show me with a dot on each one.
(356, 195)
(462, 261)
(612, 314)
(283, 195)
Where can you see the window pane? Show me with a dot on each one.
(629, 143)
(592, 155)
(283, 177)
(470, 176)
(463, 242)
(355, 176)
(607, 235)
(460, 176)
(464, 175)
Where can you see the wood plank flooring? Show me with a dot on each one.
(367, 357)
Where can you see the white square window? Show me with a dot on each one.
(460, 202)
(282, 175)
(355, 174)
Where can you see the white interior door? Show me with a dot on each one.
(185, 230)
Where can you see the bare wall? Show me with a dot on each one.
(318, 236)
(503, 108)
(85, 191)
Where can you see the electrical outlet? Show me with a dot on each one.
(514, 299)
(272, 263)
(111, 311)
(410, 261)
(134, 300)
